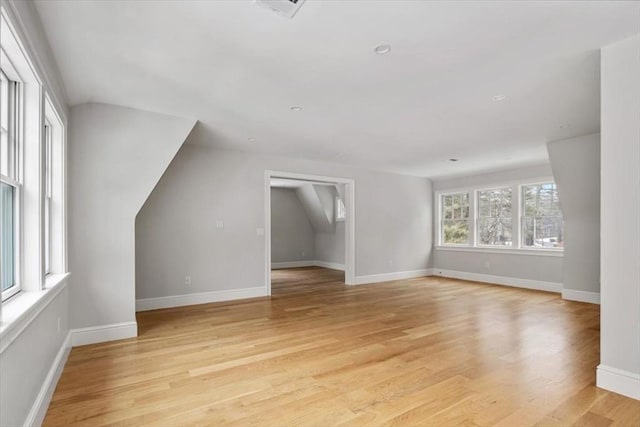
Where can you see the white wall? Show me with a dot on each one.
(292, 236)
(576, 170)
(329, 247)
(392, 227)
(116, 156)
(25, 363)
(619, 368)
(528, 267)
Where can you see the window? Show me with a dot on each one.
(522, 216)
(340, 209)
(48, 178)
(494, 224)
(454, 219)
(10, 186)
(541, 216)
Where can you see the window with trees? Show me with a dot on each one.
(520, 216)
(494, 224)
(454, 219)
(541, 216)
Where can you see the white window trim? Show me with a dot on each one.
(516, 196)
(12, 74)
(471, 199)
(37, 290)
(476, 218)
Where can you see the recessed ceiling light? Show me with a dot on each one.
(382, 49)
(296, 108)
(499, 98)
(251, 139)
(453, 160)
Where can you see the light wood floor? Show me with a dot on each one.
(427, 351)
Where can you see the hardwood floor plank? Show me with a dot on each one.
(424, 351)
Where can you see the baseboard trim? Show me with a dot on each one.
(292, 264)
(98, 334)
(581, 296)
(307, 263)
(387, 277)
(147, 304)
(500, 280)
(618, 381)
(41, 404)
(330, 265)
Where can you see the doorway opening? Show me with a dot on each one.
(309, 231)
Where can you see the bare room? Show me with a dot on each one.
(319, 213)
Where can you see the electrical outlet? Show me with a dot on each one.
(219, 223)
(58, 324)
(187, 280)
(303, 253)
(487, 265)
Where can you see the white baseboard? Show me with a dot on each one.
(199, 298)
(500, 280)
(98, 334)
(386, 277)
(618, 381)
(581, 296)
(292, 264)
(307, 263)
(331, 265)
(39, 408)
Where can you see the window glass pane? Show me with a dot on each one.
(4, 152)
(494, 217)
(494, 231)
(542, 218)
(7, 236)
(447, 207)
(454, 227)
(4, 126)
(455, 232)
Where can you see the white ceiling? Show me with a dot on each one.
(238, 68)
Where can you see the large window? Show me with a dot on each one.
(10, 186)
(455, 219)
(541, 216)
(494, 224)
(518, 216)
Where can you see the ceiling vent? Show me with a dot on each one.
(286, 8)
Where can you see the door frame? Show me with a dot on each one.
(349, 221)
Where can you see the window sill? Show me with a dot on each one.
(505, 251)
(22, 309)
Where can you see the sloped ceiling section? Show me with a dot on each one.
(318, 203)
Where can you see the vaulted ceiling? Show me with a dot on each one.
(239, 68)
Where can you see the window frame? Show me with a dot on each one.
(48, 194)
(440, 230)
(14, 137)
(477, 217)
(516, 211)
(521, 215)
